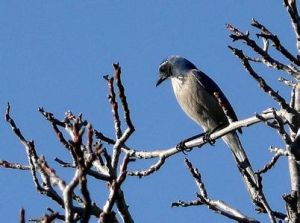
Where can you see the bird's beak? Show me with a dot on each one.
(161, 79)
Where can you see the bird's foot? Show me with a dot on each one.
(206, 135)
(182, 147)
(206, 138)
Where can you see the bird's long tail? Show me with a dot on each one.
(250, 178)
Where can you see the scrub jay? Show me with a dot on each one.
(194, 92)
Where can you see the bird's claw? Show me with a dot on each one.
(207, 138)
(182, 147)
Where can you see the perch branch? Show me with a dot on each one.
(164, 154)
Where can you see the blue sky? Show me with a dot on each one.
(54, 54)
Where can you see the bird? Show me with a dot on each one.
(196, 94)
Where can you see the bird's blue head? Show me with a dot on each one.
(173, 66)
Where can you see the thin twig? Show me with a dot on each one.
(262, 83)
(55, 122)
(114, 106)
(130, 128)
(267, 59)
(122, 96)
(288, 83)
(270, 164)
(291, 7)
(6, 164)
(265, 33)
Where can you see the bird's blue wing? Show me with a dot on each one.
(212, 88)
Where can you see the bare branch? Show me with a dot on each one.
(63, 163)
(122, 96)
(55, 122)
(99, 135)
(216, 205)
(67, 196)
(123, 208)
(6, 164)
(291, 7)
(13, 126)
(86, 198)
(29, 147)
(181, 203)
(278, 124)
(265, 33)
(116, 184)
(262, 83)
(292, 116)
(153, 168)
(122, 137)
(114, 106)
(90, 138)
(267, 59)
(198, 142)
(288, 83)
(49, 218)
(273, 161)
(197, 177)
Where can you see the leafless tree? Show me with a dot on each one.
(106, 158)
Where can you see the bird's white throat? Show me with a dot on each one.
(177, 83)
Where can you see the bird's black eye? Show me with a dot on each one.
(162, 69)
(165, 68)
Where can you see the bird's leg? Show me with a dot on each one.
(206, 138)
(209, 132)
(181, 145)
